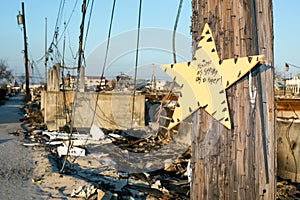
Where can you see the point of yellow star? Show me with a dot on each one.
(203, 80)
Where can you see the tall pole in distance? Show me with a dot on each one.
(46, 56)
(80, 69)
(21, 20)
(284, 81)
(153, 80)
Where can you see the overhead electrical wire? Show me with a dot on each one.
(74, 56)
(87, 31)
(67, 24)
(88, 24)
(64, 49)
(105, 57)
(108, 37)
(63, 81)
(80, 52)
(160, 108)
(34, 67)
(59, 14)
(136, 59)
(79, 66)
(80, 59)
(57, 39)
(174, 30)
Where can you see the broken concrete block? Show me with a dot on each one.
(123, 174)
(96, 133)
(54, 143)
(74, 151)
(78, 192)
(100, 194)
(31, 144)
(115, 136)
(156, 185)
(75, 142)
(65, 136)
(37, 132)
(84, 191)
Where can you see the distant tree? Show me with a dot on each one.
(5, 73)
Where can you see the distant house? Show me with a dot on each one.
(93, 83)
(293, 85)
(124, 82)
(123, 77)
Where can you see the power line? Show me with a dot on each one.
(108, 37)
(80, 56)
(136, 60)
(105, 58)
(60, 10)
(88, 26)
(174, 30)
(67, 24)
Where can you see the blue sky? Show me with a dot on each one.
(155, 14)
(286, 34)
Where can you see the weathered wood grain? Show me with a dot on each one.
(234, 164)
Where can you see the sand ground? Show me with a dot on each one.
(27, 172)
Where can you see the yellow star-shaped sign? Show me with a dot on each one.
(203, 81)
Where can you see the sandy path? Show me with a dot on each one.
(16, 164)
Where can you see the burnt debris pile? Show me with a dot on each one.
(115, 164)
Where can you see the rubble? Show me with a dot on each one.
(99, 166)
(64, 136)
(100, 194)
(96, 133)
(104, 151)
(107, 160)
(72, 151)
(287, 190)
(85, 191)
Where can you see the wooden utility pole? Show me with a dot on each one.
(239, 163)
(80, 70)
(21, 20)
